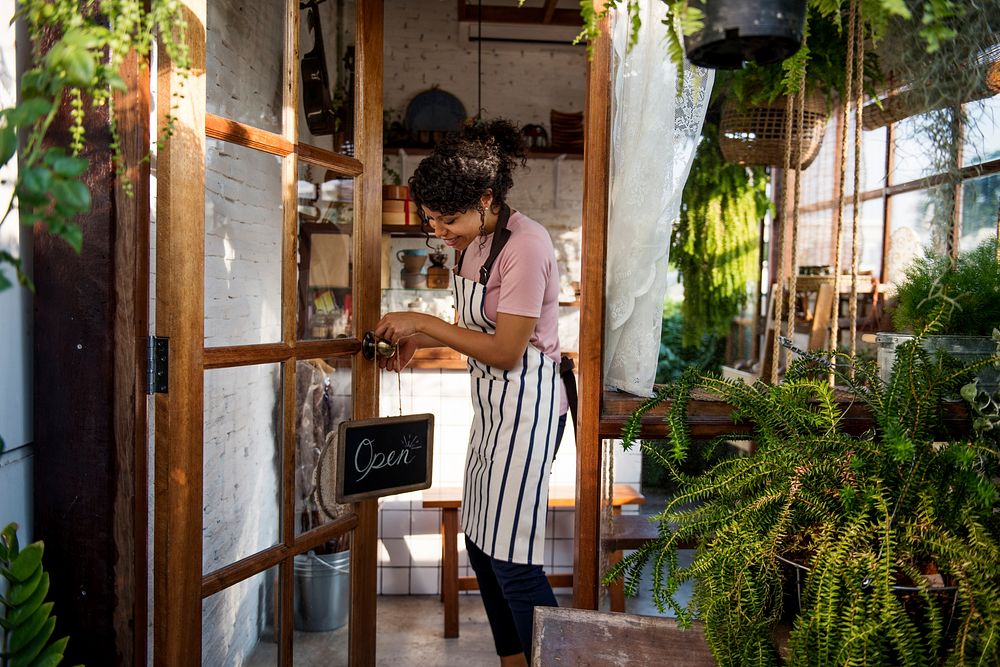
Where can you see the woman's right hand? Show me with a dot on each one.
(404, 353)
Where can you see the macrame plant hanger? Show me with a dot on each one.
(852, 96)
(794, 108)
(794, 119)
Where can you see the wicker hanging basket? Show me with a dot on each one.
(993, 70)
(755, 135)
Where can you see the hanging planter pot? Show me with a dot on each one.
(737, 31)
(754, 134)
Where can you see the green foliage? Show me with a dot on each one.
(27, 621)
(971, 285)
(715, 240)
(935, 18)
(821, 62)
(88, 43)
(870, 518)
(676, 356)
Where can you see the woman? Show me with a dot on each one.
(507, 296)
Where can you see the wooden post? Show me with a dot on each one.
(180, 315)
(596, 156)
(75, 466)
(367, 299)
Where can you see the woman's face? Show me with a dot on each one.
(457, 230)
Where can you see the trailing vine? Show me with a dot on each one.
(88, 41)
(714, 243)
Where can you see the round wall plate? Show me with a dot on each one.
(435, 110)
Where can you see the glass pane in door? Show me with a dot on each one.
(323, 401)
(243, 241)
(239, 624)
(979, 211)
(326, 93)
(242, 463)
(326, 217)
(245, 61)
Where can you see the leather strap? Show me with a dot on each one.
(500, 237)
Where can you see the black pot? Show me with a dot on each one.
(736, 31)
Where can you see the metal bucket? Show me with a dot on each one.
(322, 591)
(965, 349)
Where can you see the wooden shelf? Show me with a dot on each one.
(403, 230)
(709, 416)
(438, 358)
(533, 153)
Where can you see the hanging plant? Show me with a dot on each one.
(934, 22)
(714, 243)
(87, 44)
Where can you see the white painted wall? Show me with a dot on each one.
(15, 323)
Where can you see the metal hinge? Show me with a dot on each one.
(156, 365)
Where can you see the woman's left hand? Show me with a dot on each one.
(393, 327)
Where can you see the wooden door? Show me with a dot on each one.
(264, 364)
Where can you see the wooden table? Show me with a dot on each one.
(449, 501)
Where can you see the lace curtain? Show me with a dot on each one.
(653, 137)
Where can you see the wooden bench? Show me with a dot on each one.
(449, 501)
(629, 531)
(582, 637)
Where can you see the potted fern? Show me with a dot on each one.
(970, 286)
(879, 548)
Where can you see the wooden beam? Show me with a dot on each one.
(180, 315)
(218, 127)
(597, 160)
(75, 452)
(528, 15)
(131, 326)
(549, 10)
(367, 304)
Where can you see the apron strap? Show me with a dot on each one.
(500, 237)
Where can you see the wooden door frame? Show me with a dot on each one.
(596, 179)
(180, 317)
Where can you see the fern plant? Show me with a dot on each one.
(883, 548)
(27, 621)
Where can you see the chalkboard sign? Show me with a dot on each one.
(381, 457)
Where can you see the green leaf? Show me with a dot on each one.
(70, 167)
(53, 654)
(27, 562)
(5, 283)
(25, 608)
(73, 194)
(73, 235)
(9, 538)
(20, 592)
(27, 655)
(36, 181)
(28, 111)
(8, 144)
(897, 7)
(22, 635)
(78, 65)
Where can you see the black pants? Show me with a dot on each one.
(510, 593)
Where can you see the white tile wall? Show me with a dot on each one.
(425, 580)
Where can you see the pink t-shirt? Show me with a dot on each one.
(524, 281)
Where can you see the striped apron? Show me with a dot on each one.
(512, 438)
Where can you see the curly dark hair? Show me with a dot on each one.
(462, 168)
